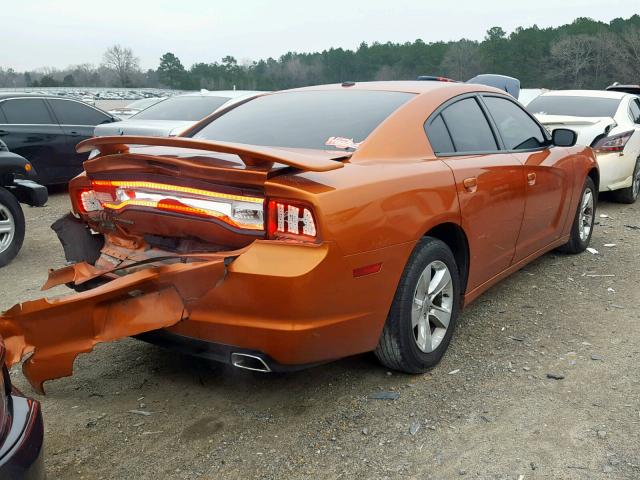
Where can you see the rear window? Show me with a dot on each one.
(574, 106)
(188, 108)
(143, 103)
(306, 119)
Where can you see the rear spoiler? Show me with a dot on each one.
(251, 155)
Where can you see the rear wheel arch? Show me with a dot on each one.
(455, 238)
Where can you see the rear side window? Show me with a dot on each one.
(439, 137)
(26, 111)
(468, 127)
(517, 129)
(75, 113)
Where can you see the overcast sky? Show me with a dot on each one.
(58, 33)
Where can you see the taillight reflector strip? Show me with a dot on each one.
(175, 206)
(240, 211)
(173, 189)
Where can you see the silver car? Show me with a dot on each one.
(175, 115)
(135, 107)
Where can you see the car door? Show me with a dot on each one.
(30, 130)
(489, 182)
(548, 172)
(78, 121)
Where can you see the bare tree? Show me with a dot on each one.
(573, 55)
(461, 60)
(122, 62)
(605, 52)
(629, 55)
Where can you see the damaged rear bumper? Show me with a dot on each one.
(53, 332)
(286, 305)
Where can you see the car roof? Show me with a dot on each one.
(585, 93)
(406, 86)
(221, 93)
(27, 94)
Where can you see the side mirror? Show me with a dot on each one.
(563, 137)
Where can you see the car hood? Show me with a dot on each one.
(587, 128)
(151, 128)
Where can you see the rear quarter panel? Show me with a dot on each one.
(365, 207)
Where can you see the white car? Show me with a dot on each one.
(175, 115)
(527, 95)
(609, 122)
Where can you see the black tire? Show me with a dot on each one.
(398, 348)
(10, 210)
(629, 194)
(576, 243)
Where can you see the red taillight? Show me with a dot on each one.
(239, 211)
(614, 143)
(291, 220)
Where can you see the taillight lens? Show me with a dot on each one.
(291, 220)
(239, 211)
(614, 143)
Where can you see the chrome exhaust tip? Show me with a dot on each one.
(249, 362)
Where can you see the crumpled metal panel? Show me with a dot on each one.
(55, 331)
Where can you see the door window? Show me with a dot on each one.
(70, 112)
(31, 111)
(517, 129)
(469, 129)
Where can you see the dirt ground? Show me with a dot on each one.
(488, 411)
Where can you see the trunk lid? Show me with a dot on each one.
(182, 189)
(587, 128)
(153, 128)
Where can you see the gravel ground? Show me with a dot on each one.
(488, 411)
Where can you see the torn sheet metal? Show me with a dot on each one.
(56, 331)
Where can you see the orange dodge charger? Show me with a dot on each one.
(307, 225)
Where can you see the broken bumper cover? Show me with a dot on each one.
(53, 332)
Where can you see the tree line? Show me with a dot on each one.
(583, 54)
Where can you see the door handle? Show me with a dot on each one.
(73, 133)
(531, 178)
(3, 133)
(470, 184)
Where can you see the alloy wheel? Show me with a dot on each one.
(432, 306)
(7, 228)
(585, 221)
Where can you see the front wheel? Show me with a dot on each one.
(582, 227)
(424, 310)
(11, 227)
